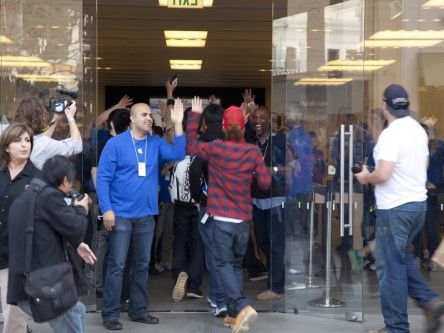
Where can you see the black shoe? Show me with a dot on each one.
(194, 294)
(149, 319)
(433, 312)
(124, 306)
(112, 325)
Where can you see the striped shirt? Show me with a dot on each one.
(232, 167)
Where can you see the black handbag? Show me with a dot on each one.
(51, 290)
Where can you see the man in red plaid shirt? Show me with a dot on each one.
(233, 165)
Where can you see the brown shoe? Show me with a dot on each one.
(268, 295)
(229, 321)
(180, 287)
(244, 319)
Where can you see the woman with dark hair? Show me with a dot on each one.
(31, 112)
(16, 171)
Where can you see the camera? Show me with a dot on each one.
(59, 103)
(357, 167)
(74, 195)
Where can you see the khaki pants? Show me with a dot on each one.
(14, 319)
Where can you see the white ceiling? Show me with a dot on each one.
(131, 42)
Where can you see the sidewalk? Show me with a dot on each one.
(192, 322)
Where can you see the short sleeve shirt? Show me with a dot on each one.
(405, 143)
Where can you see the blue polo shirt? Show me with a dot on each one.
(119, 186)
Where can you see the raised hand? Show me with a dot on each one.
(162, 108)
(248, 96)
(177, 112)
(125, 102)
(196, 105)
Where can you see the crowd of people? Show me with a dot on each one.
(208, 191)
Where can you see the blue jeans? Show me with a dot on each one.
(269, 228)
(138, 231)
(398, 274)
(230, 243)
(72, 321)
(215, 288)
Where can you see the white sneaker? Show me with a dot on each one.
(211, 303)
(220, 312)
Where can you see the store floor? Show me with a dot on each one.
(192, 316)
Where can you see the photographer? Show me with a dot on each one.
(31, 112)
(55, 224)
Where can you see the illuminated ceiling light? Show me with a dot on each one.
(183, 38)
(185, 34)
(319, 81)
(5, 40)
(361, 62)
(349, 68)
(409, 34)
(22, 61)
(206, 3)
(397, 43)
(185, 64)
(48, 78)
(185, 42)
(434, 3)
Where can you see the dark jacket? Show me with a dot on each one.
(9, 190)
(199, 167)
(54, 223)
(273, 151)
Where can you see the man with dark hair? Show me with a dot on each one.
(127, 188)
(401, 157)
(233, 164)
(210, 129)
(268, 206)
(55, 224)
(117, 122)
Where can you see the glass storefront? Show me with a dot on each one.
(331, 62)
(49, 46)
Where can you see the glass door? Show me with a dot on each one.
(318, 89)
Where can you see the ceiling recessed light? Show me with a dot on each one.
(185, 42)
(322, 81)
(182, 64)
(183, 38)
(185, 34)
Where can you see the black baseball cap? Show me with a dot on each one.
(397, 100)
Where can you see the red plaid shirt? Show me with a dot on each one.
(231, 168)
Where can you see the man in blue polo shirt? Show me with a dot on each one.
(127, 187)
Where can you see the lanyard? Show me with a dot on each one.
(135, 149)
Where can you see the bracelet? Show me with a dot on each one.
(170, 101)
(71, 119)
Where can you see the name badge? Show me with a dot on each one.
(142, 169)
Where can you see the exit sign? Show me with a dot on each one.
(185, 3)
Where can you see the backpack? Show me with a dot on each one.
(180, 181)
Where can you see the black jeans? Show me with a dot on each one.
(269, 228)
(188, 246)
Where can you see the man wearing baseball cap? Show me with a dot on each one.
(401, 157)
(232, 166)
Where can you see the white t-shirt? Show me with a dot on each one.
(46, 147)
(404, 142)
